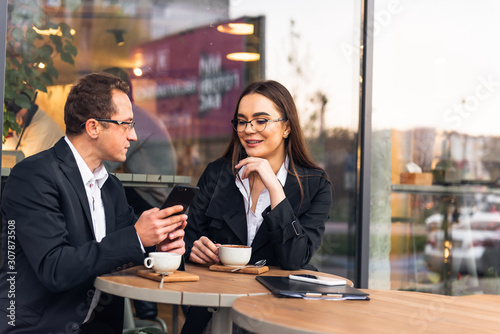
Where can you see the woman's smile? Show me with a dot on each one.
(253, 142)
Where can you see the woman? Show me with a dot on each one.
(264, 192)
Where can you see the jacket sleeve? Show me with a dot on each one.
(54, 236)
(198, 222)
(296, 237)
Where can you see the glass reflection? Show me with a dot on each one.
(177, 59)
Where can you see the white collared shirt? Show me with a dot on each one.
(93, 182)
(255, 219)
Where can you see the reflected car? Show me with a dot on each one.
(475, 242)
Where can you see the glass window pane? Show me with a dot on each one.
(435, 102)
(187, 67)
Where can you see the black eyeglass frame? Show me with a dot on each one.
(130, 124)
(236, 121)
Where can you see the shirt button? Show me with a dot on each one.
(130, 264)
(75, 326)
(118, 268)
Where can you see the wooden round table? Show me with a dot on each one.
(214, 289)
(388, 311)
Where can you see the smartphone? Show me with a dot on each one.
(181, 194)
(317, 279)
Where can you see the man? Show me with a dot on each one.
(66, 221)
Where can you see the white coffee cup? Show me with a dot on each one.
(234, 255)
(162, 262)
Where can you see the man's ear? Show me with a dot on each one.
(21, 116)
(93, 128)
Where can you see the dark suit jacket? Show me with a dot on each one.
(48, 244)
(289, 234)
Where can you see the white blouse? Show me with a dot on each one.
(254, 219)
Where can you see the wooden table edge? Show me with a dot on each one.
(159, 296)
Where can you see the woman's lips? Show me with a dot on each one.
(252, 143)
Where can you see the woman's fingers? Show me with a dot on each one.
(204, 251)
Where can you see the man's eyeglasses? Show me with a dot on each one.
(258, 124)
(129, 127)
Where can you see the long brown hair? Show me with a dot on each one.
(295, 146)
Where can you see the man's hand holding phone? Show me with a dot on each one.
(175, 240)
(165, 227)
(180, 196)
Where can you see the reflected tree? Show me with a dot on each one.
(33, 43)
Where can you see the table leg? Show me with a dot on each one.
(175, 318)
(221, 320)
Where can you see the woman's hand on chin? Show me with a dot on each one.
(263, 169)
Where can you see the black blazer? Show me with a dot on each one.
(48, 242)
(289, 235)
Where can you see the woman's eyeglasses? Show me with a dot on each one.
(258, 124)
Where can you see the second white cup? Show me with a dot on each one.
(234, 255)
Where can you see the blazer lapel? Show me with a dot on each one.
(292, 189)
(108, 210)
(261, 237)
(236, 218)
(227, 205)
(292, 193)
(68, 166)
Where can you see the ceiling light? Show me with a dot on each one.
(118, 36)
(137, 72)
(236, 28)
(243, 56)
(51, 31)
(48, 32)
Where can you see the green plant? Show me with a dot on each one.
(29, 65)
(9, 121)
(491, 273)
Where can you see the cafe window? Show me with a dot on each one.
(188, 61)
(435, 146)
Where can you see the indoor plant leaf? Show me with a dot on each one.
(67, 57)
(44, 51)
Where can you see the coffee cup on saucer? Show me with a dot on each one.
(162, 262)
(234, 255)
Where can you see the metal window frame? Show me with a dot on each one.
(362, 247)
(3, 37)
